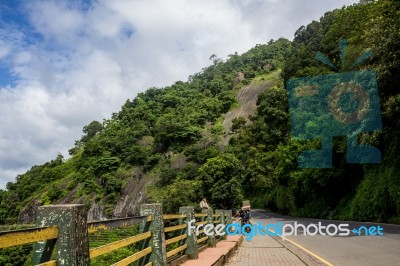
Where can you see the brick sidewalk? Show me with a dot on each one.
(263, 250)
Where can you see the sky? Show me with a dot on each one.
(64, 64)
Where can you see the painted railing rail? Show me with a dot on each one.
(61, 235)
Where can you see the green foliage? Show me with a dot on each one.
(108, 236)
(221, 179)
(217, 129)
(378, 195)
(18, 255)
(105, 165)
(237, 123)
(179, 193)
(91, 130)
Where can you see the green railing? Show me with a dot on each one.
(62, 236)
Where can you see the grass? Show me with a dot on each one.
(272, 76)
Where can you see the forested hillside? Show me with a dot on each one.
(173, 137)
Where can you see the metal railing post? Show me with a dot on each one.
(72, 245)
(158, 256)
(191, 239)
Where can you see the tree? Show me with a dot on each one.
(221, 178)
(178, 193)
(91, 130)
(237, 123)
(215, 59)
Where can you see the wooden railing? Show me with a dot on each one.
(61, 235)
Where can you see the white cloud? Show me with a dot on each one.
(74, 65)
(4, 50)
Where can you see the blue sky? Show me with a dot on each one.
(6, 77)
(64, 64)
(10, 14)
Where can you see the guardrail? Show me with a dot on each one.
(61, 235)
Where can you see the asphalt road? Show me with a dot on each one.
(352, 250)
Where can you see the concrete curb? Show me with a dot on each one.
(218, 255)
(225, 257)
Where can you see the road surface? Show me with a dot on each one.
(343, 250)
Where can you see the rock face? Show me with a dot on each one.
(28, 214)
(96, 213)
(133, 195)
(239, 77)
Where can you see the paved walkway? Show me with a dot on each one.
(263, 250)
(213, 255)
